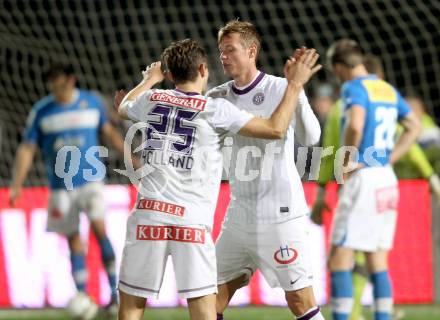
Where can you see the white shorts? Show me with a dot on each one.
(147, 247)
(66, 205)
(280, 251)
(366, 215)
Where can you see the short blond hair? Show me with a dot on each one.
(247, 31)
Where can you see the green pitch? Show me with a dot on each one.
(413, 312)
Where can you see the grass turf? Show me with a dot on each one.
(409, 312)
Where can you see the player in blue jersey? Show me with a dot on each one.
(366, 215)
(65, 126)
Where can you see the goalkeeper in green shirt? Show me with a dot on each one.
(414, 165)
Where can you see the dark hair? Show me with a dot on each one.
(57, 69)
(182, 58)
(247, 31)
(346, 52)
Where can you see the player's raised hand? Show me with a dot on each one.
(153, 72)
(119, 96)
(302, 66)
(298, 53)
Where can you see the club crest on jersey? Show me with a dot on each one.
(258, 98)
(285, 255)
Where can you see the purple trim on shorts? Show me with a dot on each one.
(251, 86)
(187, 93)
(197, 289)
(138, 288)
(309, 315)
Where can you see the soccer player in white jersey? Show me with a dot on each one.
(265, 227)
(177, 198)
(73, 118)
(366, 215)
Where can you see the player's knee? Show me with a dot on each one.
(130, 307)
(340, 259)
(75, 244)
(202, 308)
(333, 264)
(99, 228)
(221, 302)
(377, 261)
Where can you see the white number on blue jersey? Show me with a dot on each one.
(386, 119)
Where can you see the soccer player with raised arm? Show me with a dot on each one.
(266, 223)
(178, 192)
(73, 118)
(366, 215)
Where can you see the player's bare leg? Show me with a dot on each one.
(131, 307)
(302, 303)
(341, 264)
(340, 258)
(226, 292)
(75, 244)
(202, 308)
(377, 263)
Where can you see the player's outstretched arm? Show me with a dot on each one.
(298, 70)
(412, 127)
(23, 161)
(152, 75)
(307, 128)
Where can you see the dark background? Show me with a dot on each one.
(108, 43)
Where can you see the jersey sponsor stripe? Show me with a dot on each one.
(78, 119)
(186, 102)
(174, 233)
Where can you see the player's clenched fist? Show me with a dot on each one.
(302, 66)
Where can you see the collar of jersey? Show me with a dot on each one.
(74, 99)
(187, 93)
(249, 87)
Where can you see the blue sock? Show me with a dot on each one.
(79, 271)
(383, 297)
(108, 258)
(342, 294)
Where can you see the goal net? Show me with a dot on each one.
(109, 42)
